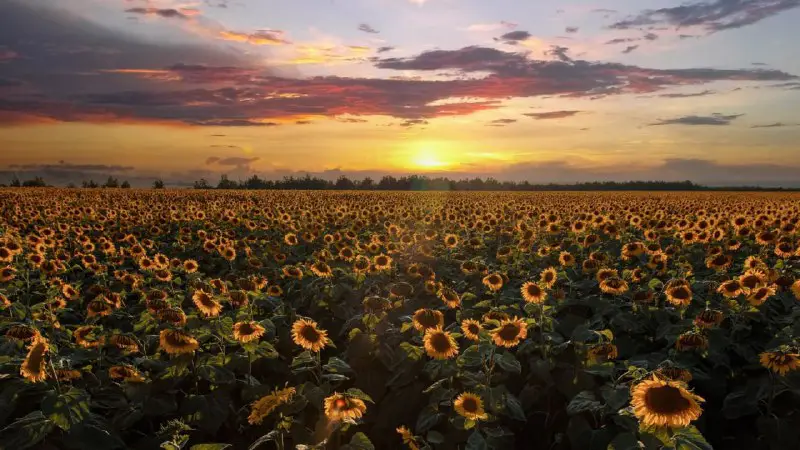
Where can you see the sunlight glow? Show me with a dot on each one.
(428, 156)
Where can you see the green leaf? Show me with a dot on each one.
(216, 374)
(508, 362)
(655, 284)
(427, 419)
(412, 351)
(471, 357)
(336, 365)
(67, 409)
(27, 431)
(360, 441)
(476, 441)
(206, 411)
(209, 446)
(434, 437)
(624, 441)
(690, 438)
(359, 394)
(585, 401)
(514, 408)
(271, 436)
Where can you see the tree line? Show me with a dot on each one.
(409, 183)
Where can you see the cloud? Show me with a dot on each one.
(620, 41)
(513, 37)
(714, 119)
(261, 37)
(231, 161)
(384, 49)
(413, 122)
(501, 122)
(367, 29)
(502, 25)
(167, 13)
(571, 29)
(650, 36)
(687, 95)
(711, 16)
(630, 48)
(776, 125)
(65, 166)
(559, 52)
(552, 114)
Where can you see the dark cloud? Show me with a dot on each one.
(713, 119)
(552, 114)
(776, 125)
(790, 86)
(513, 37)
(167, 13)
(65, 166)
(713, 16)
(630, 48)
(413, 122)
(303, 122)
(686, 95)
(385, 49)
(650, 37)
(233, 123)
(559, 52)
(571, 29)
(621, 41)
(367, 29)
(501, 122)
(604, 11)
(231, 161)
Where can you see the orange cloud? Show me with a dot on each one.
(261, 37)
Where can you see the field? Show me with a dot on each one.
(299, 319)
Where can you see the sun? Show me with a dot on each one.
(429, 157)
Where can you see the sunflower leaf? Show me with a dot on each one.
(359, 394)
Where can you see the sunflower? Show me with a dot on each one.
(401, 290)
(274, 290)
(321, 269)
(468, 267)
(600, 353)
(471, 329)
(691, 341)
(177, 342)
(604, 274)
(306, 334)
(206, 304)
(758, 296)
(7, 274)
(439, 344)
(566, 259)
(292, 272)
(549, 277)
(382, 262)
(614, 286)
(673, 373)
(510, 332)
(708, 318)
(339, 407)
(408, 437)
(450, 241)
(679, 293)
(796, 289)
(33, 367)
(175, 316)
(98, 307)
(238, 298)
(754, 262)
(264, 406)
(190, 266)
(247, 331)
(23, 333)
(124, 343)
(780, 362)
(87, 337)
(533, 293)
(125, 373)
(67, 375)
(665, 403)
(730, 288)
(470, 406)
(427, 318)
(493, 281)
(753, 278)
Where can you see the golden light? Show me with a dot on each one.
(428, 156)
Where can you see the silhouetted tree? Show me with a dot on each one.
(34, 182)
(15, 182)
(125, 185)
(225, 183)
(89, 184)
(344, 183)
(111, 183)
(158, 184)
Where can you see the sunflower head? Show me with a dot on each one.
(510, 332)
(177, 342)
(532, 292)
(780, 361)
(470, 406)
(439, 344)
(247, 331)
(308, 335)
(262, 407)
(424, 319)
(471, 329)
(450, 297)
(600, 353)
(341, 407)
(665, 403)
(493, 281)
(691, 341)
(708, 318)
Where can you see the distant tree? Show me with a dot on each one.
(15, 182)
(202, 183)
(111, 182)
(158, 184)
(90, 184)
(367, 184)
(225, 183)
(125, 185)
(34, 182)
(344, 183)
(71, 185)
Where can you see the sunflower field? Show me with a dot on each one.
(193, 320)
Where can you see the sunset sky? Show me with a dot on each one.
(546, 91)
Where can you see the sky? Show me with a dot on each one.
(544, 91)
